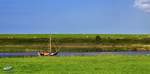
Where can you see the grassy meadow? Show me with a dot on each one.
(101, 64)
(75, 42)
(131, 36)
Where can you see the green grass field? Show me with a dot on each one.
(74, 35)
(75, 42)
(101, 64)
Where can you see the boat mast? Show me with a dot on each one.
(50, 42)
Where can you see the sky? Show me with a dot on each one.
(75, 16)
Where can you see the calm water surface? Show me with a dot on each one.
(76, 53)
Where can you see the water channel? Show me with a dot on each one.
(76, 53)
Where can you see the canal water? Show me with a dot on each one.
(98, 53)
(76, 53)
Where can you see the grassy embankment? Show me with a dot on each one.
(102, 64)
(75, 42)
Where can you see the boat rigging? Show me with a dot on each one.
(50, 52)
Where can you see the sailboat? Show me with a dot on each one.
(49, 53)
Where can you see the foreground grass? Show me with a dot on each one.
(102, 64)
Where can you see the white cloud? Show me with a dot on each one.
(143, 5)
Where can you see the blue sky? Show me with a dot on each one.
(73, 16)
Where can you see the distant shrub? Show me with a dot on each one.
(98, 39)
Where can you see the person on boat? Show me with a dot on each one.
(43, 53)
